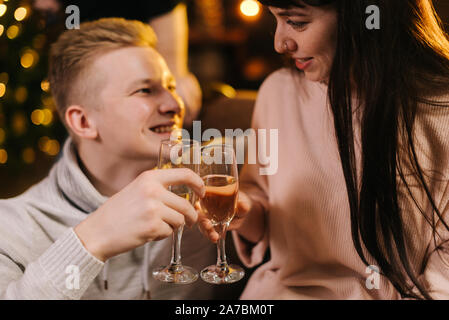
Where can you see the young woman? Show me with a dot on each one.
(357, 209)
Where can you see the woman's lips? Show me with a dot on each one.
(303, 64)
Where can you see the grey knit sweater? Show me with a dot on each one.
(42, 258)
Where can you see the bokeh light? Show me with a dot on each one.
(3, 8)
(28, 155)
(21, 94)
(39, 41)
(249, 8)
(43, 143)
(2, 28)
(19, 123)
(12, 32)
(3, 156)
(2, 136)
(4, 77)
(37, 116)
(2, 89)
(29, 58)
(49, 103)
(49, 146)
(48, 117)
(53, 147)
(45, 85)
(20, 13)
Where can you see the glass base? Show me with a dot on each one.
(176, 274)
(213, 274)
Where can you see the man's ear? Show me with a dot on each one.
(80, 123)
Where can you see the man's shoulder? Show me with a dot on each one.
(13, 212)
(16, 209)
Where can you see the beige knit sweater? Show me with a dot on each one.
(308, 227)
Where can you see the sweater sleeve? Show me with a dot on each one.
(436, 272)
(63, 272)
(432, 149)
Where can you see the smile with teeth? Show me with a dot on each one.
(162, 129)
(303, 60)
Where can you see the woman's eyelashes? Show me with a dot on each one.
(297, 24)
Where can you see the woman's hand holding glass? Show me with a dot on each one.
(207, 228)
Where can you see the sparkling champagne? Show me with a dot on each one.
(220, 200)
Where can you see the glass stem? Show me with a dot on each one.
(175, 263)
(222, 264)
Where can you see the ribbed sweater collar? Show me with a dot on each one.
(74, 184)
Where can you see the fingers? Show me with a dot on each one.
(208, 229)
(205, 225)
(164, 230)
(179, 176)
(173, 218)
(179, 205)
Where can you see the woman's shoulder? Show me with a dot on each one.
(430, 133)
(282, 78)
(286, 84)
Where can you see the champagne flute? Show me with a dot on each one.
(178, 154)
(219, 172)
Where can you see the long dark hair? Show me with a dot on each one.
(391, 71)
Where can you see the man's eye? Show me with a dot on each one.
(144, 90)
(297, 24)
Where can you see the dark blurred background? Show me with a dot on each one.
(230, 53)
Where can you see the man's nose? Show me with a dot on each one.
(171, 103)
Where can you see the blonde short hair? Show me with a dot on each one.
(74, 51)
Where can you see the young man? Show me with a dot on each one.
(101, 201)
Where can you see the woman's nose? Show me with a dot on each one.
(284, 44)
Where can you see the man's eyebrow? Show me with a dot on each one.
(139, 82)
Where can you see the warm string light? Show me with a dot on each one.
(39, 41)
(4, 78)
(45, 85)
(21, 94)
(13, 31)
(249, 8)
(49, 146)
(2, 89)
(2, 136)
(3, 8)
(29, 58)
(20, 13)
(19, 123)
(28, 155)
(41, 117)
(3, 156)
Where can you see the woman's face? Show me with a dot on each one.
(309, 36)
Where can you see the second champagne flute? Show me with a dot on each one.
(178, 154)
(219, 172)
